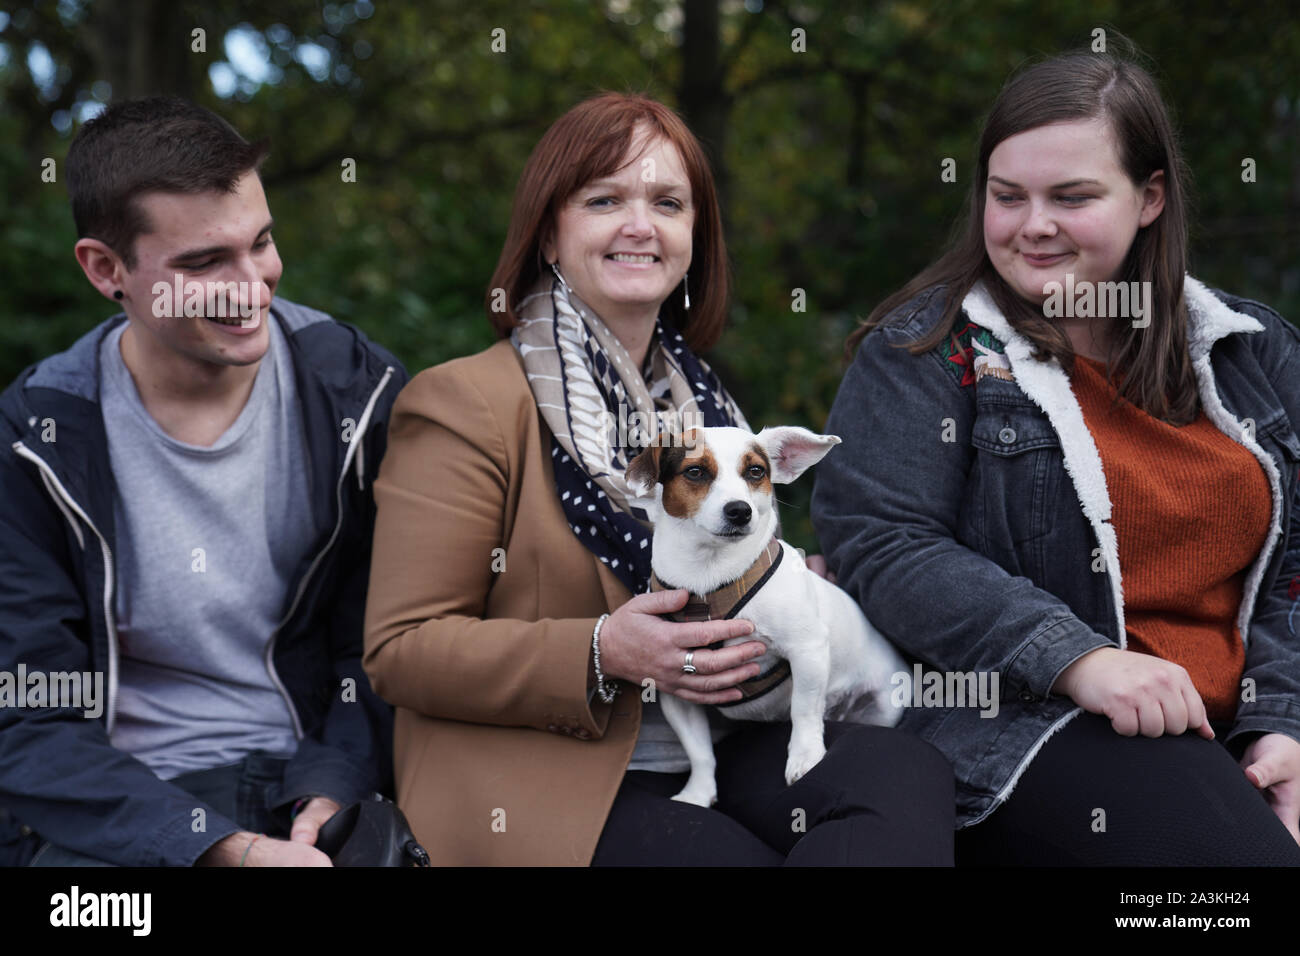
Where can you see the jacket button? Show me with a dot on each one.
(1028, 696)
(25, 830)
(1007, 436)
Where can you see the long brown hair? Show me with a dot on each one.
(588, 142)
(1154, 364)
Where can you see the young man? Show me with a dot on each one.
(185, 523)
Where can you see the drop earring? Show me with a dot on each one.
(686, 291)
(556, 270)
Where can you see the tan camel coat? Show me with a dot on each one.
(478, 628)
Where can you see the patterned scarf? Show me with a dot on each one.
(602, 411)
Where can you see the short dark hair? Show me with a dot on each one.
(156, 144)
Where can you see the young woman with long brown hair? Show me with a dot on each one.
(1053, 400)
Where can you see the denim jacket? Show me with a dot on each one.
(972, 522)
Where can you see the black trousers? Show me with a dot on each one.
(879, 797)
(1091, 797)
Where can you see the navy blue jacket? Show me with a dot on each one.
(972, 522)
(59, 775)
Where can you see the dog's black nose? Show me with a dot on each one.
(737, 512)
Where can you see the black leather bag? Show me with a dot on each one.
(371, 832)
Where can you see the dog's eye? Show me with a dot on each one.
(695, 472)
(756, 472)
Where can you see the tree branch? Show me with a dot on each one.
(332, 156)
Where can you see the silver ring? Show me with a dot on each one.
(688, 667)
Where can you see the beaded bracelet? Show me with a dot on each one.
(607, 694)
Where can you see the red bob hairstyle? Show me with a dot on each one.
(586, 143)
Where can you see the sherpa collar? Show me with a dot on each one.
(1047, 385)
(1209, 318)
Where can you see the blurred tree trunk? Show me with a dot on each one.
(702, 96)
(143, 47)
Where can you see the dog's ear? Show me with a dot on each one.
(643, 471)
(792, 450)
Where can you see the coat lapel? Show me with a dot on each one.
(1210, 320)
(1047, 385)
(616, 592)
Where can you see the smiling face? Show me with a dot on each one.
(208, 237)
(623, 242)
(1059, 202)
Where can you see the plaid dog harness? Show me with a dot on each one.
(725, 603)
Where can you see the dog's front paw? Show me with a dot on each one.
(700, 796)
(803, 759)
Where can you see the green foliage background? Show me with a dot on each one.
(830, 158)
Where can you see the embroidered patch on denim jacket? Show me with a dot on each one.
(971, 346)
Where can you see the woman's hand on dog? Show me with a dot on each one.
(1140, 693)
(635, 643)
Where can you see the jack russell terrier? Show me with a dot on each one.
(711, 500)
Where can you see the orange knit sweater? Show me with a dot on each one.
(1191, 509)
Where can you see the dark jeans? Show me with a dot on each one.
(1094, 798)
(240, 792)
(879, 797)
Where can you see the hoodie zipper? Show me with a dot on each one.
(358, 435)
(52, 482)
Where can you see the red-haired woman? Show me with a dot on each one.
(501, 620)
